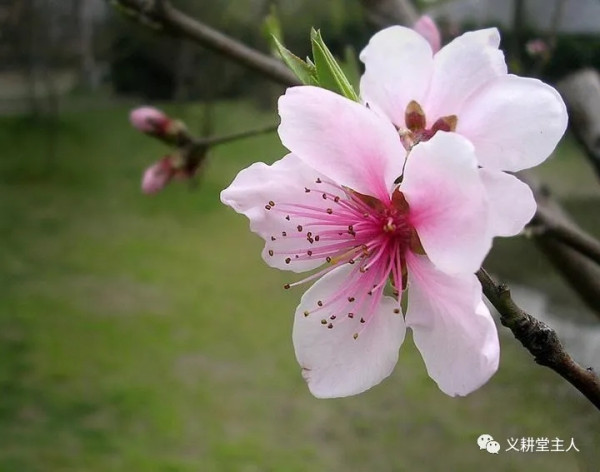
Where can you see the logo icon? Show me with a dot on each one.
(486, 441)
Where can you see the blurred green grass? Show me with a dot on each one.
(145, 333)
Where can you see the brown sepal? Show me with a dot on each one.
(414, 117)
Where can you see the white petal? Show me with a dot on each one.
(341, 139)
(486, 37)
(398, 66)
(283, 182)
(514, 122)
(334, 364)
(452, 327)
(448, 204)
(460, 69)
(511, 202)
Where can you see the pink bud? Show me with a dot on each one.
(149, 120)
(536, 47)
(157, 176)
(427, 28)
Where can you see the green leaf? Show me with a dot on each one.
(329, 72)
(306, 72)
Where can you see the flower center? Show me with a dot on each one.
(369, 235)
(416, 122)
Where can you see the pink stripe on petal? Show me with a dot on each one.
(341, 139)
(448, 203)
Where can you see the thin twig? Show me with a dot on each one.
(227, 138)
(545, 224)
(540, 340)
(178, 23)
(580, 272)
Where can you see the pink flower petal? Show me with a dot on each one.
(511, 202)
(427, 28)
(398, 66)
(284, 183)
(341, 139)
(460, 69)
(514, 122)
(447, 200)
(452, 327)
(334, 364)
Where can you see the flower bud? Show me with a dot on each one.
(427, 28)
(537, 47)
(150, 120)
(157, 176)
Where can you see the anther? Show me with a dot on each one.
(362, 320)
(306, 312)
(336, 199)
(350, 315)
(272, 203)
(396, 310)
(351, 261)
(288, 260)
(355, 336)
(329, 211)
(318, 180)
(306, 190)
(330, 325)
(287, 217)
(351, 299)
(299, 227)
(320, 303)
(283, 233)
(273, 238)
(324, 196)
(328, 259)
(332, 317)
(286, 286)
(267, 207)
(317, 237)
(271, 252)
(323, 321)
(309, 253)
(309, 234)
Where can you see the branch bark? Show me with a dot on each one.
(177, 23)
(580, 272)
(574, 237)
(540, 340)
(581, 92)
